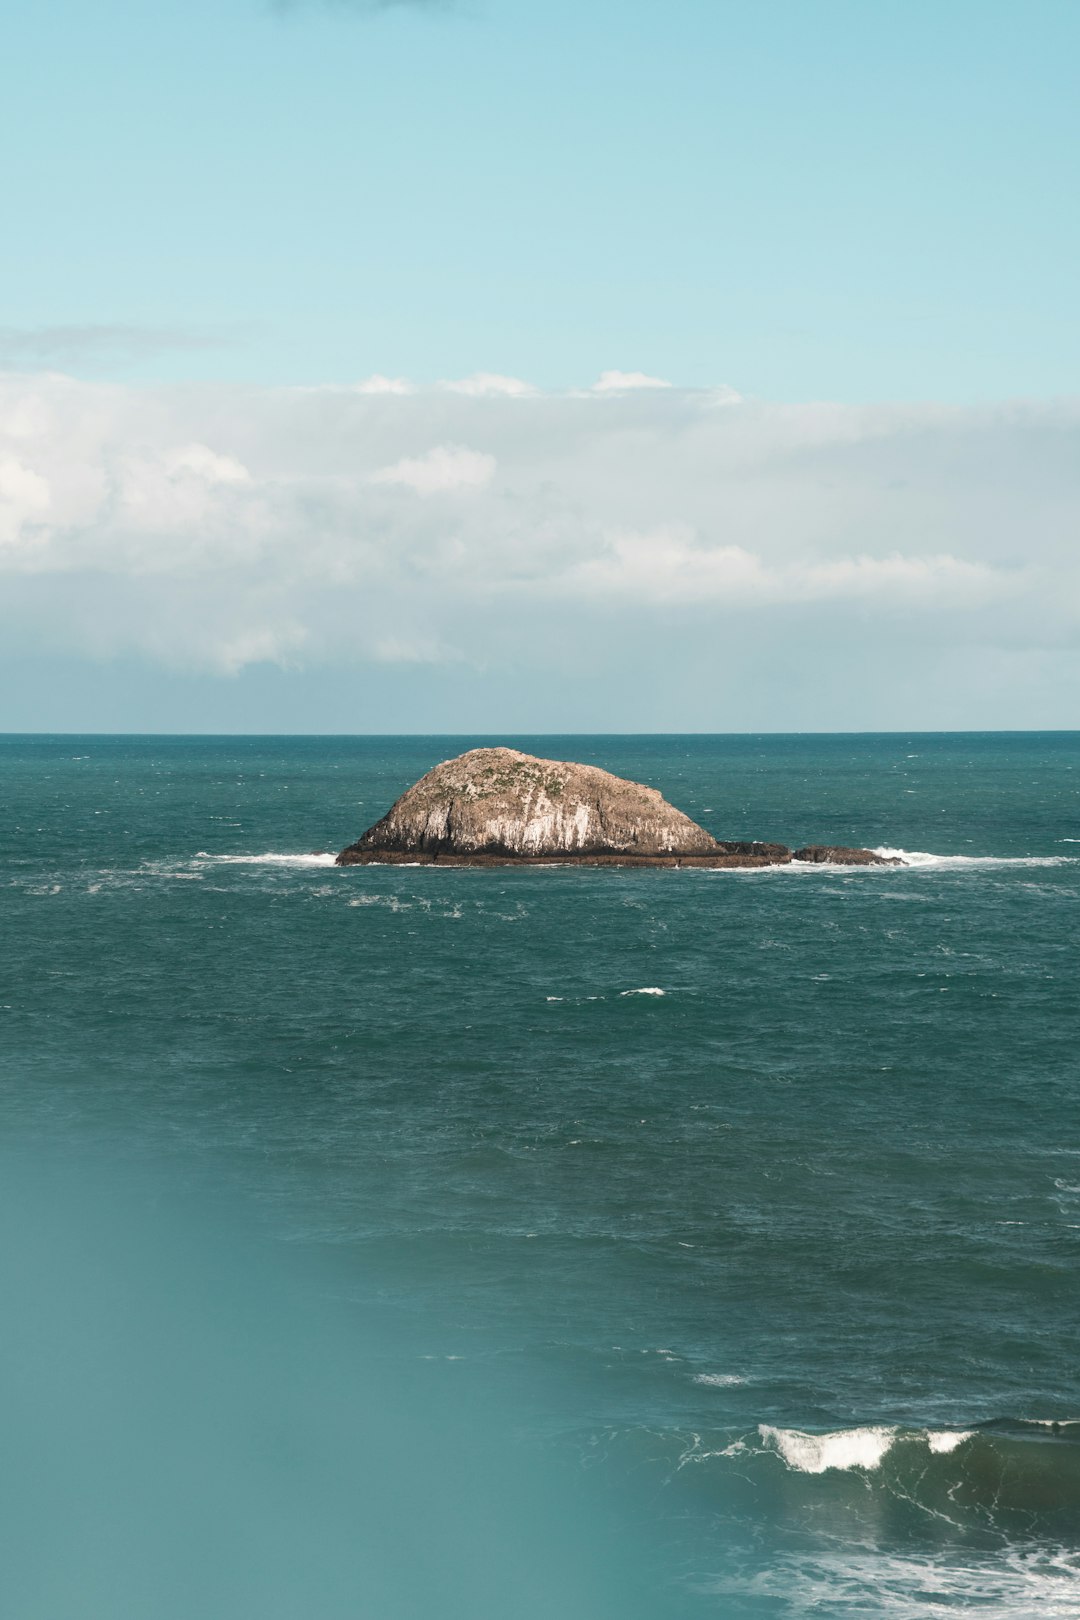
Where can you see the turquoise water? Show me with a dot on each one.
(588, 1242)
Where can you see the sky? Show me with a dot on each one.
(487, 366)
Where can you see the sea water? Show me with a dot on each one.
(539, 1242)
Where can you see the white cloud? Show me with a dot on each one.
(24, 499)
(490, 385)
(377, 384)
(397, 650)
(202, 462)
(639, 536)
(673, 566)
(446, 468)
(263, 644)
(481, 384)
(620, 382)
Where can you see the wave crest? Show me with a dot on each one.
(816, 1453)
(270, 858)
(922, 859)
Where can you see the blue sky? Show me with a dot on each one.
(303, 310)
(802, 198)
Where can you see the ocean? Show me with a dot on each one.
(387, 1242)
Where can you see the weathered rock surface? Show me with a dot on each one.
(838, 855)
(500, 803)
(497, 805)
(771, 854)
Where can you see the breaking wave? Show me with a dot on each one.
(918, 860)
(923, 859)
(867, 1447)
(878, 1519)
(271, 858)
(816, 1453)
(978, 1483)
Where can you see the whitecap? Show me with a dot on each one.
(945, 1440)
(718, 1380)
(843, 1448)
(271, 858)
(646, 990)
(923, 859)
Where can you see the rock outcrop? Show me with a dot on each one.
(497, 806)
(502, 804)
(839, 855)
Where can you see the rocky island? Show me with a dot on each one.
(497, 806)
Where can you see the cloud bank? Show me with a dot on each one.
(675, 536)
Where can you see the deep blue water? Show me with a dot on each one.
(418, 1242)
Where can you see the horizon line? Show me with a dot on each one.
(892, 731)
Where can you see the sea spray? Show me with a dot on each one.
(194, 1425)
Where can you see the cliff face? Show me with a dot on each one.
(499, 803)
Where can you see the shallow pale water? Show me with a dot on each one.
(751, 1199)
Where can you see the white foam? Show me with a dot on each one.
(843, 1448)
(271, 858)
(912, 859)
(945, 1440)
(1022, 1583)
(923, 859)
(646, 990)
(718, 1380)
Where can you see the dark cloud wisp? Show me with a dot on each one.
(100, 344)
(362, 8)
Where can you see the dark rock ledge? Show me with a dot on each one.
(499, 807)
